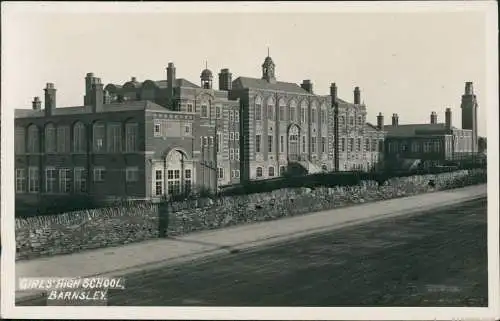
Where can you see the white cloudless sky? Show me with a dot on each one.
(410, 63)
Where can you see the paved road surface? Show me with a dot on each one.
(435, 259)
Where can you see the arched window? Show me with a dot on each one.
(270, 108)
(79, 138)
(271, 171)
(33, 139)
(282, 170)
(131, 136)
(303, 112)
(99, 134)
(20, 140)
(259, 172)
(258, 108)
(50, 138)
(292, 111)
(282, 110)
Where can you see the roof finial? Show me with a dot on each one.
(206, 64)
(268, 51)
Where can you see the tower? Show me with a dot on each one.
(268, 68)
(225, 79)
(206, 78)
(469, 113)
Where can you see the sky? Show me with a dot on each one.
(410, 63)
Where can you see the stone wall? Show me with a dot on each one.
(91, 229)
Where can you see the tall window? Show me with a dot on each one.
(436, 146)
(323, 144)
(358, 147)
(131, 135)
(33, 139)
(282, 144)
(282, 113)
(79, 138)
(231, 116)
(64, 180)
(158, 182)
(313, 144)
(50, 180)
(218, 113)
(270, 143)
(33, 180)
(427, 147)
(220, 173)
(187, 180)
(98, 135)
(351, 144)
(303, 115)
(132, 174)
(303, 144)
(323, 116)
(292, 113)
(115, 137)
(313, 116)
(258, 143)
(174, 181)
(63, 139)
(80, 180)
(270, 112)
(374, 145)
(258, 112)
(258, 172)
(351, 120)
(231, 153)
(20, 180)
(50, 138)
(157, 128)
(20, 140)
(271, 171)
(189, 108)
(99, 173)
(237, 154)
(204, 111)
(367, 144)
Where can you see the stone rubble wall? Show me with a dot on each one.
(106, 227)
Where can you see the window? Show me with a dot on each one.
(360, 120)
(427, 147)
(323, 116)
(158, 182)
(358, 147)
(211, 141)
(50, 180)
(204, 111)
(271, 171)
(367, 145)
(220, 173)
(258, 143)
(313, 144)
(351, 144)
(436, 146)
(303, 115)
(63, 139)
(292, 113)
(33, 139)
(282, 144)
(270, 112)
(313, 116)
(20, 140)
(231, 136)
(259, 172)
(258, 112)
(236, 173)
(80, 180)
(187, 181)
(231, 116)
(173, 181)
(204, 141)
(351, 120)
(282, 113)
(237, 154)
(131, 135)
(323, 144)
(303, 144)
(33, 180)
(282, 170)
(99, 137)
(270, 143)
(374, 145)
(218, 113)
(20, 180)
(237, 136)
(342, 144)
(50, 138)
(114, 137)
(99, 174)
(189, 108)
(157, 128)
(64, 180)
(231, 153)
(79, 138)
(132, 174)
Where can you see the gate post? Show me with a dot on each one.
(163, 218)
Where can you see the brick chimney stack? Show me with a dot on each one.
(434, 117)
(97, 97)
(37, 103)
(380, 121)
(357, 96)
(225, 80)
(447, 116)
(307, 86)
(395, 120)
(50, 99)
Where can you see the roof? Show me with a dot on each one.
(115, 107)
(371, 126)
(247, 82)
(181, 82)
(409, 130)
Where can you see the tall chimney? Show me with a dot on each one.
(89, 80)
(395, 119)
(50, 99)
(36, 104)
(380, 121)
(469, 89)
(225, 79)
(97, 98)
(333, 92)
(357, 96)
(447, 116)
(307, 86)
(434, 117)
(170, 80)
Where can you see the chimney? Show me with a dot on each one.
(469, 89)
(380, 121)
(395, 119)
(37, 104)
(170, 80)
(447, 116)
(133, 79)
(434, 118)
(50, 98)
(97, 98)
(107, 97)
(307, 86)
(225, 80)
(89, 80)
(333, 92)
(357, 96)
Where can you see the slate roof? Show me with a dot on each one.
(115, 107)
(409, 130)
(181, 82)
(247, 82)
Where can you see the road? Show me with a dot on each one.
(438, 258)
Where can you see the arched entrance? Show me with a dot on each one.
(293, 143)
(179, 174)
